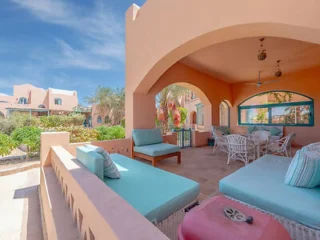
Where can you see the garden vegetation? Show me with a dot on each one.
(23, 129)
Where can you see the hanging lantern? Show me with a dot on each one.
(262, 55)
(278, 73)
(160, 114)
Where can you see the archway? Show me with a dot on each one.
(224, 114)
(193, 117)
(192, 100)
(147, 70)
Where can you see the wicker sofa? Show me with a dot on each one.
(261, 185)
(160, 196)
(276, 131)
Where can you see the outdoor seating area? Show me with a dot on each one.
(256, 82)
(251, 146)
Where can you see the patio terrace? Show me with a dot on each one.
(200, 165)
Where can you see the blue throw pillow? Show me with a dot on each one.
(110, 169)
(304, 170)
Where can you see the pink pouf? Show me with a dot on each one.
(208, 222)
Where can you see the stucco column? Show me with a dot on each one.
(140, 111)
(49, 139)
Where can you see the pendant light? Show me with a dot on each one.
(278, 73)
(262, 55)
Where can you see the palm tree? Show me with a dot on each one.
(108, 100)
(102, 98)
(118, 105)
(170, 94)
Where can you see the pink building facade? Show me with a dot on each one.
(38, 101)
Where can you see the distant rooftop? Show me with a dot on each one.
(61, 91)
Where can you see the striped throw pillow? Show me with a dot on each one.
(110, 169)
(304, 170)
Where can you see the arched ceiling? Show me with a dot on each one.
(236, 60)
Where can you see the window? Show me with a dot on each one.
(200, 114)
(23, 100)
(41, 106)
(277, 108)
(99, 119)
(57, 101)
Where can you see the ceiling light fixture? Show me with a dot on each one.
(262, 55)
(278, 73)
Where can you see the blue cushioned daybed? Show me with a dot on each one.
(261, 184)
(158, 195)
(148, 144)
(155, 193)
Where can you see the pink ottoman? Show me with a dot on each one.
(208, 222)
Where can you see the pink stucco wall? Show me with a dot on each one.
(37, 96)
(155, 44)
(95, 113)
(304, 82)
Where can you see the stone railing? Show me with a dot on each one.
(121, 146)
(85, 214)
(200, 139)
(99, 213)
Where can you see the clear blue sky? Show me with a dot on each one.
(67, 44)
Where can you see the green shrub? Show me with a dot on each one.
(17, 120)
(110, 133)
(79, 133)
(183, 114)
(6, 144)
(29, 136)
(6, 126)
(62, 120)
(123, 122)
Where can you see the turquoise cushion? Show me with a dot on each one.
(155, 193)
(109, 168)
(157, 149)
(143, 137)
(92, 160)
(261, 184)
(274, 131)
(252, 129)
(304, 170)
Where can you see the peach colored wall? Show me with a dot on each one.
(191, 107)
(121, 146)
(95, 113)
(171, 138)
(154, 43)
(305, 82)
(37, 96)
(210, 91)
(104, 213)
(200, 139)
(68, 102)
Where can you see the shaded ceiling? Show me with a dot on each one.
(236, 61)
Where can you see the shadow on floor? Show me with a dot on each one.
(31, 227)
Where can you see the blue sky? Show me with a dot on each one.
(67, 44)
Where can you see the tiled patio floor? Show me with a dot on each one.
(20, 207)
(200, 165)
